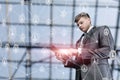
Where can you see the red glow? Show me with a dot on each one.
(64, 52)
(69, 51)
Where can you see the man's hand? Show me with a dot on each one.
(64, 54)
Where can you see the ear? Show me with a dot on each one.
(89, 20)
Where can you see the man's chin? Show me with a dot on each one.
(84, 30)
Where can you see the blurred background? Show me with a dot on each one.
(28, 27)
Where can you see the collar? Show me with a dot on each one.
(89, 29)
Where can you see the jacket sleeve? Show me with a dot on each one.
(106, 43)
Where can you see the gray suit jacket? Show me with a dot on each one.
(97, 44)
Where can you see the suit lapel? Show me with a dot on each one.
(79, 41)
(88, 35)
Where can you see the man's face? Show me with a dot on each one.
(84, 24)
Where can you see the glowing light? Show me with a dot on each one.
(112, 54)
(12, 32)
(68, 52)
(63, 51)
(35, 19)
(95, 61)
(106, 31)
(96, 41)
(4, 22)
(7, 46)
(4, 61)
(84, 68)
(22, 18)
(34, 38)
(79, 50)
(15, 48)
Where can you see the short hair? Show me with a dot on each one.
(82, 14)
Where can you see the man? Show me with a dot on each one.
(94, 46)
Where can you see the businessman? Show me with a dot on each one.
(94, 46)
